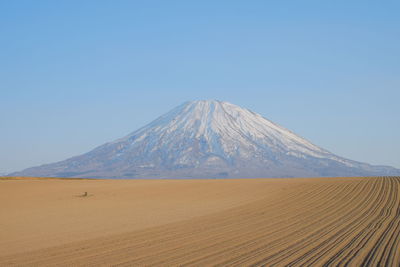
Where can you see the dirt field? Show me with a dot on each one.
(334, 221)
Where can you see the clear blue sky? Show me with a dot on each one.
(77, 74)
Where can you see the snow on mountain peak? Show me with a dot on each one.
(226, 128)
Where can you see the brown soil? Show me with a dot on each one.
(337, 221)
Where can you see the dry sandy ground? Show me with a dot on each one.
(333, 221)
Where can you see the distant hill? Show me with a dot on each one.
(208, 139)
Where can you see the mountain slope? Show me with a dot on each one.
(208, 139)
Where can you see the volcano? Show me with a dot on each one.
(208, 139)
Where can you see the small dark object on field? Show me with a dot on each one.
(84, 195)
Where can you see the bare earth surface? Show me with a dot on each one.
(333, 221)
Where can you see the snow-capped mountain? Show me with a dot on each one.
(208, 139)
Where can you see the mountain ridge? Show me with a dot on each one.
(208, 139)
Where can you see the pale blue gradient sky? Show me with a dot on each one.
(77, 74)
